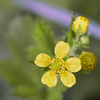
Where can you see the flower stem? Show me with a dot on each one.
(77, 37)
(74, 44)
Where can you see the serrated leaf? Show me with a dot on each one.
(44, 38)
(32, 52)
(24, 77)
(27, 85)
(29, 93)
(21, 76)
(14, 74)
(71, 34)
(55, 93)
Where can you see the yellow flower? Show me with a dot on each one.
(80, 25)
(58, 66)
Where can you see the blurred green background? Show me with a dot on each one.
(16, 26)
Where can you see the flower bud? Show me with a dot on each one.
(88, 61)
(85, 39)
(80, 25)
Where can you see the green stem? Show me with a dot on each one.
(74, 45)
(72, 48)
(77, 37)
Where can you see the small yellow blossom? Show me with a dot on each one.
(80, 25)
(58, 66)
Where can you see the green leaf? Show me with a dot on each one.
(29, 93)
(43, 37)
(70, 34)
(55, 93)
(84, 46)
(25, 91)
(24, 77)
(32, 52)
(84, 72)
(32, 62)
(26, 81)
(44, 41)
(13, 73)
(19, 35)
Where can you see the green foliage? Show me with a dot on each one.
(24, 77)
(84, 72)
(85, 39)
(54, 93)
(44, 38)
(44, 41)
(32, 52)
(19, 37)
(70, 34)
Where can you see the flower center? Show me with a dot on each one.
(57, 65)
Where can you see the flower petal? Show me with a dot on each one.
(49, 78)
(61, 49)
(67, 78)
(73, 64)
(82, 22)
(42, 60)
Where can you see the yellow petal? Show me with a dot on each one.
(67, 78)
(83, 22)
(49, 78)
(42, 60)
(73, 64)
(61, 49)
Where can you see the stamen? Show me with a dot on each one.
(57, 65)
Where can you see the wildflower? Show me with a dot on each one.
(58, 66)
(88, 61)
(80, 25)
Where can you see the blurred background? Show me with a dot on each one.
(17, 20)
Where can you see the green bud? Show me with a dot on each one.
(85, 39)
